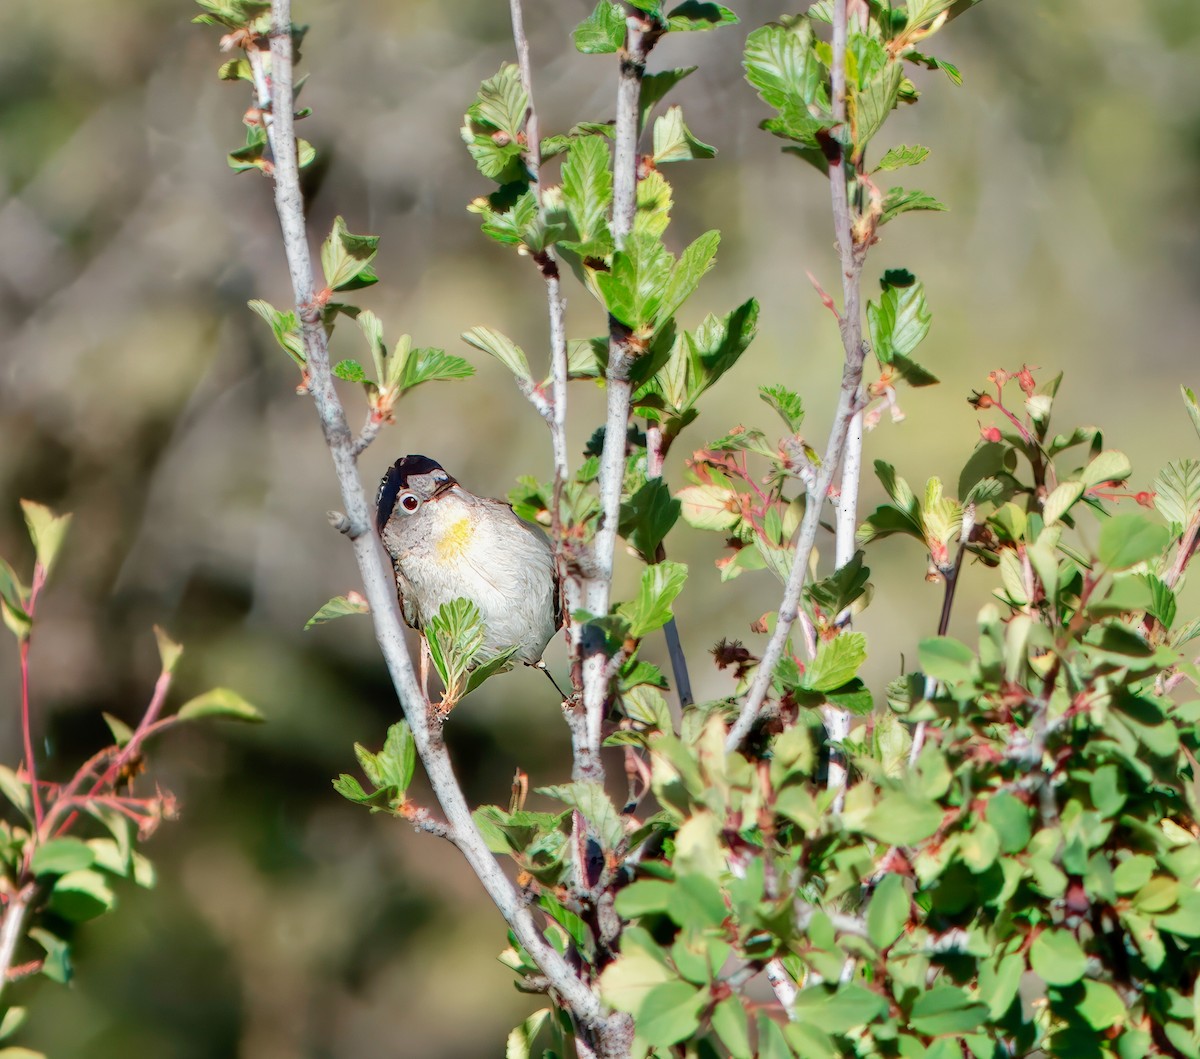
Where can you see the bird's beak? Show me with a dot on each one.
(444, 487)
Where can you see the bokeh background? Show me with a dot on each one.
(137, 391)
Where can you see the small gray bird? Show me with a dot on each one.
(447, 543)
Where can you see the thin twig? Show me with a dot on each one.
(655, 458)
(377, 582)
(39, 579)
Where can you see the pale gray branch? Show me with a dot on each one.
(12, 930)
(378, 585)
(848, 407)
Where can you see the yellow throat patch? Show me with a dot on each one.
(453, 543)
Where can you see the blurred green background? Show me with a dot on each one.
(137, 391)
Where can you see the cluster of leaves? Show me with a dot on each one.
(1027, 880)
(63, 843)
(347, 259)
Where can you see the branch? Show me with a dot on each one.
(655, 455)
(12, 930)
(585, 755)
(39, 579)
(621, 354)
(379, 588)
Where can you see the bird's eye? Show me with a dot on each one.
(410, 502)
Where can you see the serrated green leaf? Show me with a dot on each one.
(781, 64)
(660, 585)
(433, 365)
(786, 402)
(338, 607)
(349, 371)
(501, 103)
(695, 261)
(699, 15)
(284, 327)
(593, 802)
(503, 348)
(603, 31)
(587, 196)
(220, 702)
(673, 141)
(898, 201)
(901, 156)
(634, 290)
(837, 662)
(1177, 492)
(346, 258)
(870, 106)
(647, 516)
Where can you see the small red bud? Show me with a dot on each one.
(1145, 499)
(991, 434)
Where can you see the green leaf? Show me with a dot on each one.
(697, 258)
(61, 855)
(871, 105)
(587, 195)
(591, 800)
(733, 1027)
(655, 88)
(837, 662)
(455, 638)
(781, 64)
(603, 31)
(346, 258)
(644, 897)
(946, 1009)
(647, 517)
(1126, 540)
(1056, 958)
(349, 371)
(903, 818)
(1193, 408)
(1177, 492)
(900, 156)
(169, 652)
(338, 607)
(787, 403)
(56, 963)
(503, 348)
(661, 583)
(1101, 1006)
(1108, 466)
(625, 983)
(843, 587)
(398, 758)
(901, 319)
(284, 327)
(887, 914)
(947, 659)
(674, 142)
(1011, 818)
(220, 702)
(81, 895)
(634, 290)
(501, 103)
(698, 15)
(520, 1041)
(669, 1013)
(898, 201)
(432, 365)
(46, 530)
(709, 506)
(121, 732)
(1061, 500)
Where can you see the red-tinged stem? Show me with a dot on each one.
(39, 579)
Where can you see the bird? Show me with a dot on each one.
(447, 543)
